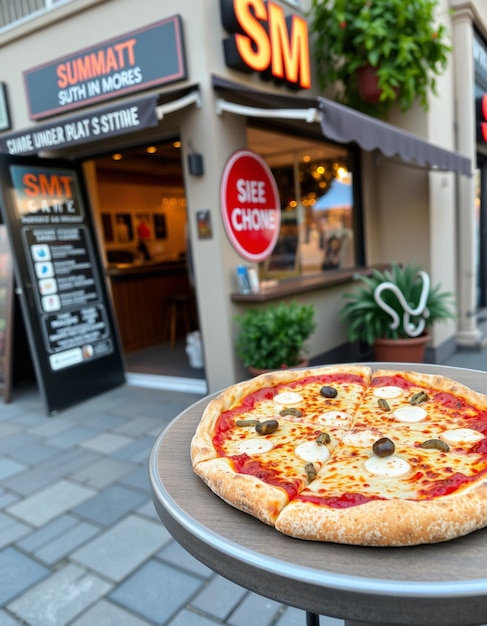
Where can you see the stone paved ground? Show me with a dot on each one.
(80, 542)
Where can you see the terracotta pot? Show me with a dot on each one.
(401, 350)
(255, 371)
(368, 85)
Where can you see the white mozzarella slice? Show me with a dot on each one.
(459, 436)
(410, 414)
(361, 438)
(390, 466)
(388, 392)
(288, 397)
(334, 418)
(255, 446)
(312, 452)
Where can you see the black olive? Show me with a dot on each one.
(383, 447)
(328, 392)
(267, 428)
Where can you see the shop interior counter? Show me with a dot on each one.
(443, 584)
(150, 283)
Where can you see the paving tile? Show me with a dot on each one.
(47, 533)
(11, 530)
(72, 437)
(140, 539)
(51, 427)
(63, 464)
(110, 505)
(103, 473)
(138, 479)
(8, 428)
(6, 499)
(6, 620)
(140, 426)
(107, 443)
(18, 440)
(9, 468)
(51, 502)
(219, 598)
(59, 598)
(23, 572)
(253, 605)
(189, 618)
(105, 421)
(138, 451)
(107, 614)
(66, 543)
(176, 555)
(35, 453)
(156, 591)
(147, 510)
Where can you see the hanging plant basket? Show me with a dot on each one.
(368, 84)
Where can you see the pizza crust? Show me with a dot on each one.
(393, 523)
(243, 491)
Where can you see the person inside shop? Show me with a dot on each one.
(143, 235)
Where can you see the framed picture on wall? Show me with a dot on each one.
(160, 229)
(124, 228)
(107, 224)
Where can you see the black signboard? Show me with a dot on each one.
(143, 58)
(126, 117)
(64, 297)
(6, 315)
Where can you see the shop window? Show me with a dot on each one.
(13, 11)
(318, 223)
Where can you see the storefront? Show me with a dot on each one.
(154, 129)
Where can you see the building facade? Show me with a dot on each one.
(114, 84)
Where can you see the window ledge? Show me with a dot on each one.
(303, 284)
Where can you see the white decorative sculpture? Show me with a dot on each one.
(421, 310)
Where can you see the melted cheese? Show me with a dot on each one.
(361, 438)
(388, 392)
(389, 466)
(312, 452)
(286, 398)
(254, 446)
(334, 418)
(410, 414)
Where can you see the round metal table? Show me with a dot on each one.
(431, 585)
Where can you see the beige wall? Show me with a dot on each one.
(409, 215)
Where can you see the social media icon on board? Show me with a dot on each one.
(44, 270)
(47, 286)
(40, 252)
(51, 303)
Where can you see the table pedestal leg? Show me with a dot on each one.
(312, 619)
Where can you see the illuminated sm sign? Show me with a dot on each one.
(250, 205)
(264, 40)
(481, 112)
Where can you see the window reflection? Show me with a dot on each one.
(314, 179)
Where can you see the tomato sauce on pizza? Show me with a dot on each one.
(349, 455)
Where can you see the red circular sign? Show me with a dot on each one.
(250, 204)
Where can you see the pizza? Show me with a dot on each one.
(349, 455)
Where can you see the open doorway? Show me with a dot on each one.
(141, 215)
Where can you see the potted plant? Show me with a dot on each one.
(394, 309)
(274, 337)
(401, 42)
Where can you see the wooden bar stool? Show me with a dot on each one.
(178, 308)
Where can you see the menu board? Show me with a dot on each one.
(65, 301)
(6, 315)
